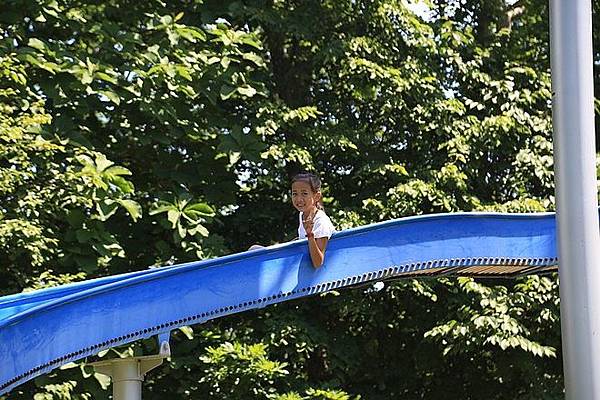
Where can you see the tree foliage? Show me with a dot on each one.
(148, 133)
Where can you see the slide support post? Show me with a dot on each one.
(576, 195)
(127, 374)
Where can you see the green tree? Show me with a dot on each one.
(139, 133)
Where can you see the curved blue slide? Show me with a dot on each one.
(44, 329)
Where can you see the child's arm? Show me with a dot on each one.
(316, 248)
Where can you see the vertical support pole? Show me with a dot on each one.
(127, 380)
(576, 195)
(127, 374)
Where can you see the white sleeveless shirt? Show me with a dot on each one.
(322, 226)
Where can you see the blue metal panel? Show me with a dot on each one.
(42, 330)
(16, 303)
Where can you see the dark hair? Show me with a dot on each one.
(313, 181)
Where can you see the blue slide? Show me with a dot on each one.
(44, 329)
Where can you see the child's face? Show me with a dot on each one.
(303, 198)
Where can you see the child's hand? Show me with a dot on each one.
(308, 224)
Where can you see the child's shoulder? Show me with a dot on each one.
(322, 214)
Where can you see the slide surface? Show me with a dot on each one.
(44, 329)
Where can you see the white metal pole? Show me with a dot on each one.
(127, 380)
(127, 374)
(576, 195)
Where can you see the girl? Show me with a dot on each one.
(314, 224)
